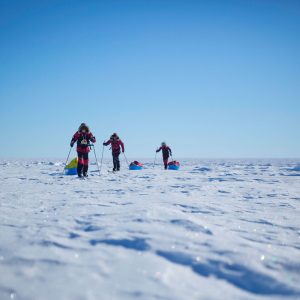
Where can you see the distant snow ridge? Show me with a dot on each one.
(296, 168)
(294, 171)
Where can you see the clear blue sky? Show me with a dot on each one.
(212, 78)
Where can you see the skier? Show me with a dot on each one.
(116, 146)
(83, 137)
(166, 153)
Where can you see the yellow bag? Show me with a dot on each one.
(73, 164)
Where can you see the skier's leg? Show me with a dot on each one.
(80, 164)
(114, 162)
(118, 162)
(166, 162)
(85, 164)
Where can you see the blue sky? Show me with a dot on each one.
(212, 78)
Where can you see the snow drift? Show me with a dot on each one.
(212, 230)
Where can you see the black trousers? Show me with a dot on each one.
(83, 163)
(116, 161)
(165, 159)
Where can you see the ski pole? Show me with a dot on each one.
(154, 160)
(101, 159)
(67, 159)
(96, 159)
(126, 159)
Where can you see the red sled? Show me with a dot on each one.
(135, 166)
(174, 165)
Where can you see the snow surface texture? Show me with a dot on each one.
(213, 230)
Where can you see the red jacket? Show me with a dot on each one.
(83, 141)
(166, 151)
(116, 145)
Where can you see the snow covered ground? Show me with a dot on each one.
(213, 230)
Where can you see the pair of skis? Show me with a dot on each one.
(93, 146)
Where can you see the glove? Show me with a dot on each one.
(72, 144)
(104, 144)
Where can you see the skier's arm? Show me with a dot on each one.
(92, 138)
(159, 149)
(107, 143)
(170, 151)
(122, 146)
(74, 139)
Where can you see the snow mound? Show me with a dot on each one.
(296, 168)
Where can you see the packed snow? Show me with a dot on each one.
(215, 229)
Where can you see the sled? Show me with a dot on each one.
(135, 166)
(173, 165)
(71, 168)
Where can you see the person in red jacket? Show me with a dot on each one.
(83, 137)
(116, 146)
(166, 153)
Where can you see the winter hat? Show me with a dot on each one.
(83, 126)
(114, 136)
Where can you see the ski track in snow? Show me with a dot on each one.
(216, 229)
